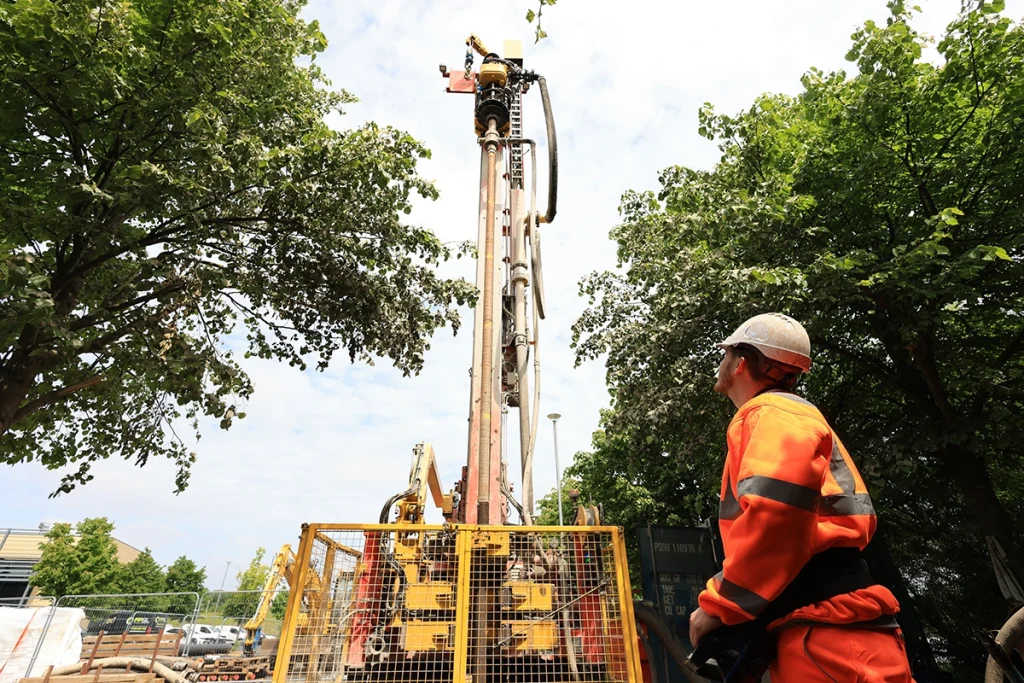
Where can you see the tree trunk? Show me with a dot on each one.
(922, 384)
(18, 375)
(968, 471)
(15, 386)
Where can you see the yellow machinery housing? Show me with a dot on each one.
(457, 602)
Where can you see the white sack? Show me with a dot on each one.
(20, 631)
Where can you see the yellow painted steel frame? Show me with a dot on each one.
(291, 614)
(464, 545)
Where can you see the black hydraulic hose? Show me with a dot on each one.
(386, 512)
(511, 499)
(389, 558)
(549, 119)
(649, 653)
(659, 628)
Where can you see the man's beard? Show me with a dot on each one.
(723, 382)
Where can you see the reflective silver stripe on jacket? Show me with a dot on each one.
(744, 598)
(805, 498)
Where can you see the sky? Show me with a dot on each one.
(626, 82)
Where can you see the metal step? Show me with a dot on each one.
(516, 131)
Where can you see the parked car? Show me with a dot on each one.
(230, 634)
(124, 621)
(200, 634)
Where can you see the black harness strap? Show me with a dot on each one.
(828, 574)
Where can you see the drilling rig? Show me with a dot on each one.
(479, 598)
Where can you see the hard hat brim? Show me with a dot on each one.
(777, 354)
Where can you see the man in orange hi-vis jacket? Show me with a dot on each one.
(794, 517)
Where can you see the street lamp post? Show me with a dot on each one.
(558, 474)
(225, 578)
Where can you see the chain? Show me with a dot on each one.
(469, 63)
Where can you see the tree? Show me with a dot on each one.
(549, 505)
(242, 604)
(166, 172)
(82, 566)
(882, 210)
(58, 571)
(279, 605)
(185, 577)
(141, 575)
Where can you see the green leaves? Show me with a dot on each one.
(993, 6)
(70, 566)
(242, 605)
(989, 253)
(141, 575)
(148, 209)
(540, 34)
(183, 576)
(89, 565)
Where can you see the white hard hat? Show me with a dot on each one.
(777, 336)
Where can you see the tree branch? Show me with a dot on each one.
(106, 167)
(924, 359)
(97, 318)
(158, 233)
(101, 343)
(1015, 346)
(53, 396)
(949, 140)
(927, 202)
(66, 122)
(876, 368)
(245, 309)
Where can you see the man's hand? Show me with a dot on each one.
(701, 624)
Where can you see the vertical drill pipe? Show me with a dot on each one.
(468, 504)
(528, 422)
(531, 222)
(519, 278)
(487, 360)
(522, 355)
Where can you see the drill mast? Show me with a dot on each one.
(508, 276)
(475, 599)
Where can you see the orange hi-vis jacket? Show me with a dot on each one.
(789, 491)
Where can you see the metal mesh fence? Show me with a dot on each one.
(453, 604)
(222, 617)
(130, 614)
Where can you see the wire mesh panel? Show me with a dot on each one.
(459, 604)
(545, 607)
(223, 615)
(365, 596)
(138, 614)
(126, 615)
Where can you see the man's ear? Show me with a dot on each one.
(740, 366)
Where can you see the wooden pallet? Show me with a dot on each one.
(126, 645)
(95, 678)
(145, 646)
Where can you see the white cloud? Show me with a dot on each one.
(626, 83)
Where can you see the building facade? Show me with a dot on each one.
(20, 550)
